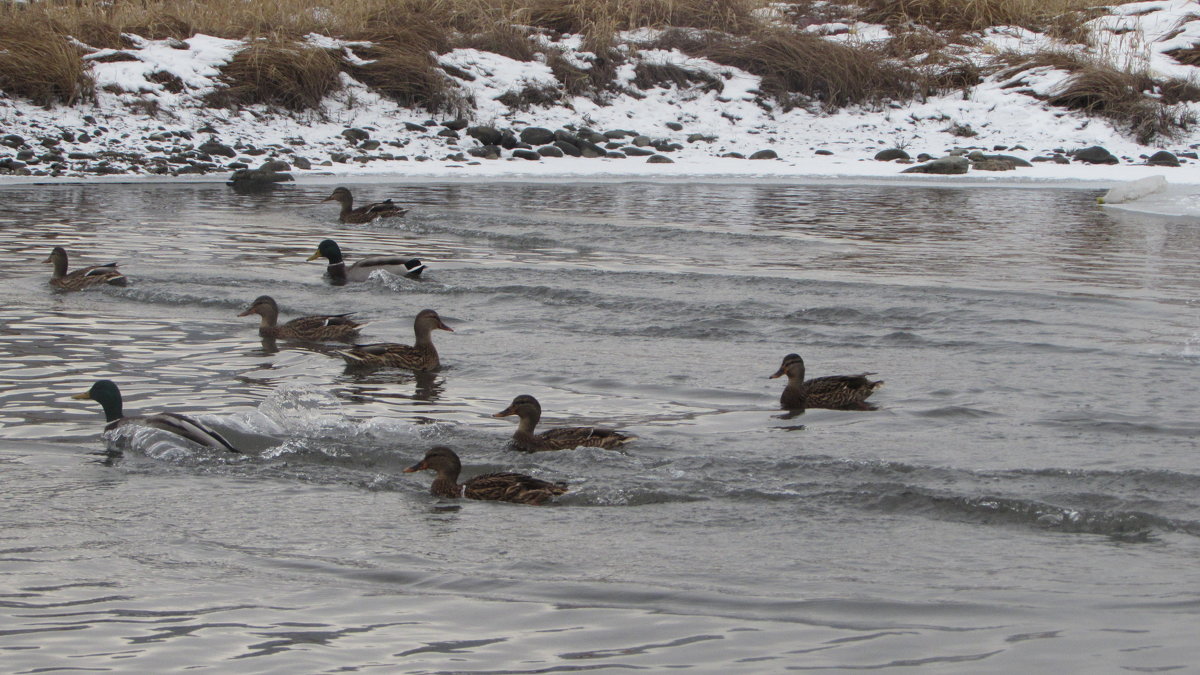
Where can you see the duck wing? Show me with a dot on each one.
(384, 209)
(182, 425)
(565, 438)
(511, 487)
(323, 327)
(840, 391)
(386, 354)
(393, 264)
(91, 276)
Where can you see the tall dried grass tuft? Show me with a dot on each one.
(278, 72)
(408, 75)
(40, 64)
(974, 15)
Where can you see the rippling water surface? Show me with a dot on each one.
(1025, 500)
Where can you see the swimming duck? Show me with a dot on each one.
(420, 356)
(361, 270)
(838, 392)
(363, 214)
(81, 278)
(312, 328)
(529, 410)
(106, 393)
(502, 487)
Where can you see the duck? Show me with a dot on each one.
(837, 392)
(361, 270)
(311, 328)
(363, 214)
(500, 487)
(108, 395)
(529, 411)
(81, 278)
(421, 356)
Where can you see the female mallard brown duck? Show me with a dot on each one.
(106, 393)
(839, 392)
(361, 270)
(501, 487)
(529, 411)
(311, 328)
(81, 278)
(420, 356)
(363, 214)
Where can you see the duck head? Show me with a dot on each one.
(792, 366)
(523, 406)
(262, 305)
(339, 195)
(106, 393)
(329, 250)
(427, 320)
(58, 258)
(441, 459)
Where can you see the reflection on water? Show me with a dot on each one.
(1034, 450)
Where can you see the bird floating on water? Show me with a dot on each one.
(363, 214)
(529, 411)
(311, 328)
(106, 393)
(502, 487)
(362, 269)
(81, 278)
(420, 356)
(838, 392)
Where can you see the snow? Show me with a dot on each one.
(1005, 112)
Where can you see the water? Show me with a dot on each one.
(1024, 500)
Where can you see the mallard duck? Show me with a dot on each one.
(361, 270)
(81, 278)
(363, 214)
(420, 356)
(311, 328)
(501, 487)
(529, 410)
(106, 393)
(839, 392)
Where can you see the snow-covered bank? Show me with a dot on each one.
(151, 117)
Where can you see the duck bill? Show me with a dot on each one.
(444, 326)
(510, 410)
(327, 199)
(49, 259)
(314, 256)
(778, 373)
(419, 466)
(82, 396)
(248, 312)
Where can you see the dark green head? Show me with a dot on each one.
(329, 250)
(106, 393)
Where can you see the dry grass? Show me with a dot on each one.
(409, 75)
(40, 64)
(278, 72)
(584, 16)
(974, 15)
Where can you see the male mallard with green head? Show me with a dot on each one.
(363, 214)
(106, 393)
(838, 392)
(311, 328)
(81, 278)
(529, 411)
(501, 487)
(420, 356)
(361, 270)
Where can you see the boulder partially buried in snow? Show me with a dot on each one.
(951, 164)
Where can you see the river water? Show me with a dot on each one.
(1026, 499)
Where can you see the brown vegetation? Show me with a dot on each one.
(278, 72)
(974, 15)
(38, 64)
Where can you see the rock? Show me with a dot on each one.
(1160, 158)
(924, 157)
(448, 133)
(237, 165)
(567, 137)
(592, 137)
(695, 138)
(1095, 155)
(537, 136)
(568, 148)
(275, 165)
(456, 125)
(409, 126)
(993, 165)
(674, 126)
(485, 135)
(66, 136)
(660, 159)
(951, 164)
(485, 151)
(641, 141)
(634, 151)
(615, 155)
(253, 179)
(734, 155)
(613, 145)
(354, 134)
(522, 153)
(823, 152)
(891, 154)
(12, 141)
(11, 164)
(663, 145)
(978, 156)
(550, 151)
(591, 150)
(369, 145)
(508, 140)
(301, 163)
(765, 154)
(26, 155)
(216, 148)
(1189, 155)
(616, 134)
(339, 157)
(49, 142)
(1056, 158)
(81, 155)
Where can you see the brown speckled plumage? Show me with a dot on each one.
(529, 411)
(420, 356)
(502, 487)
(838, 392)
(363, 214)
(81, 278)
(311, 328)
